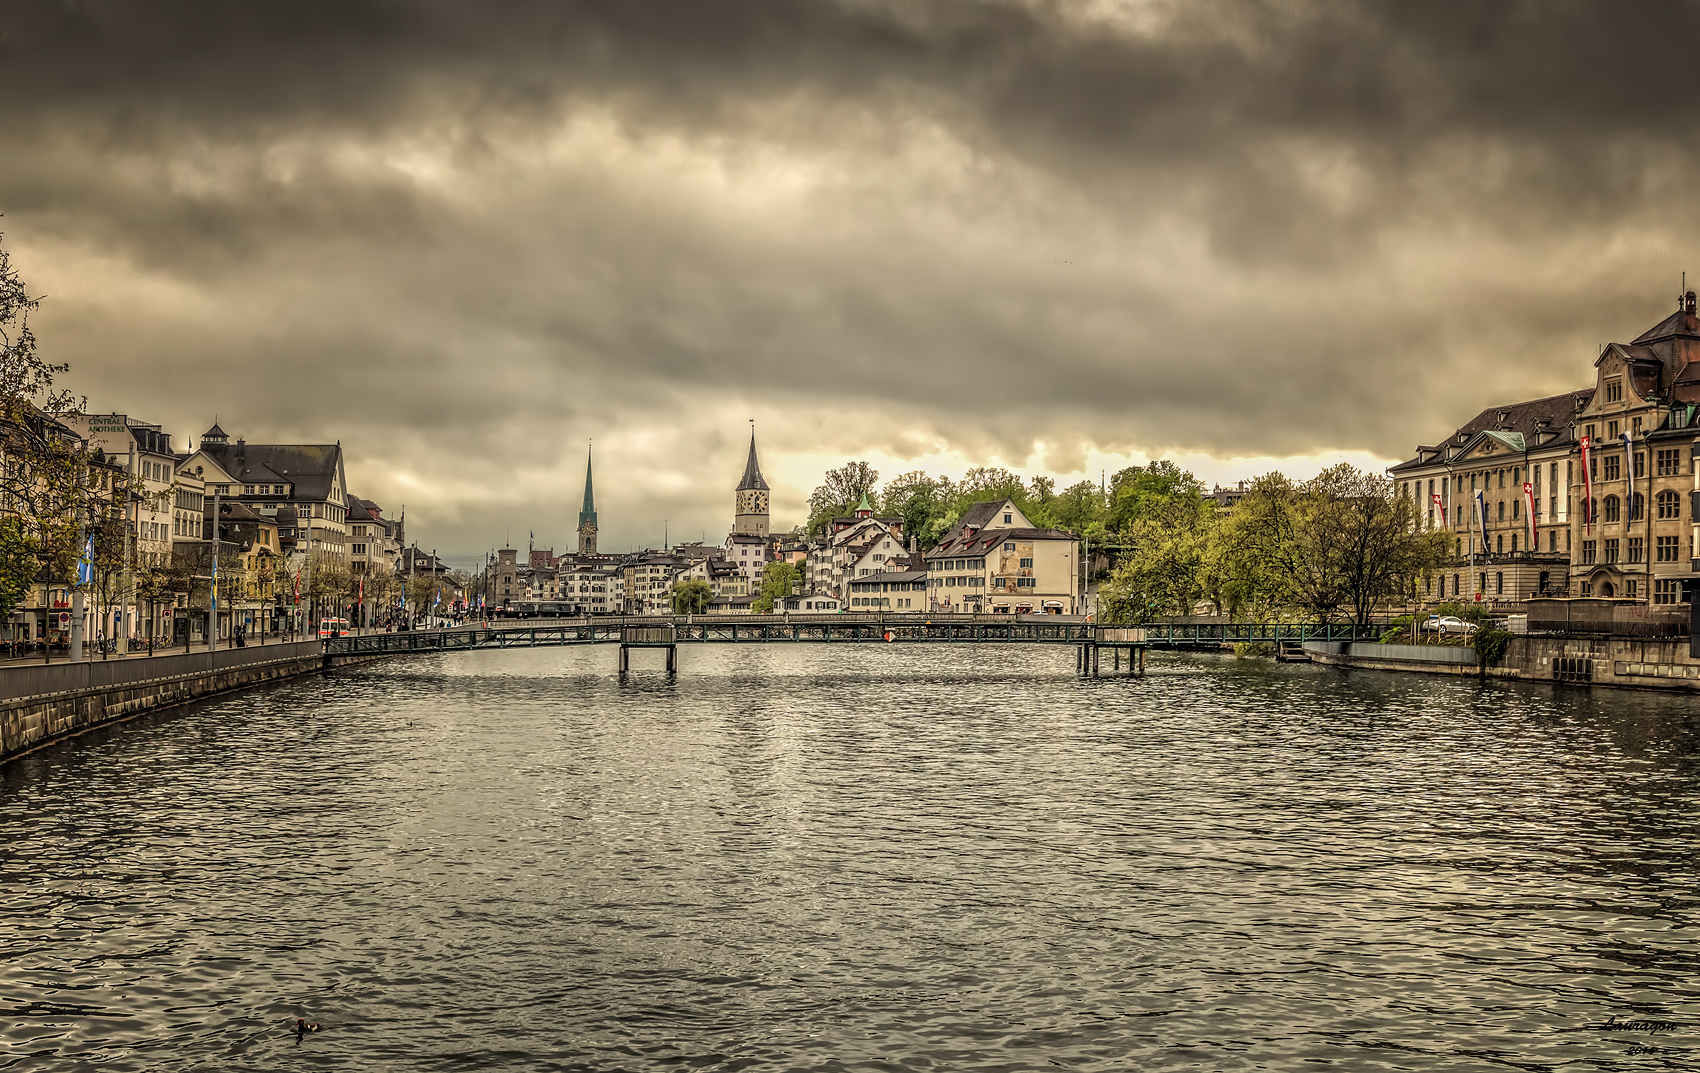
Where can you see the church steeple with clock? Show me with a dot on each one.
(750, 510)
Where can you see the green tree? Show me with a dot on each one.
(20, 561)
(1355, 533)
(776, 582)
(1253, 555)
(1161, 571)
(691, 597)
(839, 491)
(919, 499)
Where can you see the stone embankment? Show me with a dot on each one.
(44, 703)
(1642, 663)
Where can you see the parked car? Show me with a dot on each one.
(1454, 624)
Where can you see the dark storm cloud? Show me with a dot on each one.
(1278, 228)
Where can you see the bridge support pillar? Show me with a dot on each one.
(625, 659)
(1142, 659)
(672, 660)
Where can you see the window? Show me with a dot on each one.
(1552, 540)
(1629, 588)
(1665, 547)
(1635, 426)
(1637, 507)
(1669, 504)
(1500, 548)
(1637, 549)
(1502, 510)
(1499, 584)
(1586, 588)
(1009, 547)
(1611, 550)
(1027, 564)
(1614, 390)
(247, 489)
(1007, 517)
(1588, 552)
(1665, 590)
(1614, 467)
(1640, 466)
(1588, 431)
(1614, 507)
(1516, 509)
(1514, 543)
(1669, 463)
(1026, 582)
(1611, 429)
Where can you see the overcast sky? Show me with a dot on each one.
(464, 239)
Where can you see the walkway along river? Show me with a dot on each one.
(860, 858)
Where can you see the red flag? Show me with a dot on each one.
(1529, 505)
(1441, 507)
(1587, 491)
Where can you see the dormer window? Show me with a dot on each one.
(1614, 390)
(1007, 517)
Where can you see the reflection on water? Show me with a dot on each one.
(859, 857)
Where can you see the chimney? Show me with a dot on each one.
(1688, 303)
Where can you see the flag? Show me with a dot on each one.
(1529, 508)
(85, 565)
(1628, 456)
(1441, 507)
(1587, 490)
(1481, 518)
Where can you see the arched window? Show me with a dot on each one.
(1669, 504)
(1614, 508)
(1637, 507)
(1502, 510)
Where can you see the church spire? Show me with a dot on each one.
(587, 513)
(752, 470)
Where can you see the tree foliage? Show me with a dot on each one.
(776, 582)
(691, 597)
(840, 490)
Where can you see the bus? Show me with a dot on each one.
(332, 627)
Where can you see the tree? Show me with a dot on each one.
(839, 491)
(19, 562)
(51, 480)
(918, 499)
(691, 596)
(776, 582)
(1253, 556)
(1161, 572)
(1079, 508)
(1361, 541)
(1138, 487)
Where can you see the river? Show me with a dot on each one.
(859, 857)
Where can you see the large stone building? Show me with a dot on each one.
(996, 561)
(1589, 493)
(307, 479)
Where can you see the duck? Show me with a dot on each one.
(303, 1026)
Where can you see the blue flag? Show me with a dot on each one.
(85, 566)
(1628, 457)
(1481, 518)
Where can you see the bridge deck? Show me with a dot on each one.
(656, 631)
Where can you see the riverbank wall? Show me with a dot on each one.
(1628, 662)
(41, 704)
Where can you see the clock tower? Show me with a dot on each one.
(751, 502)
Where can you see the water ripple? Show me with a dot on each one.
(858, 858)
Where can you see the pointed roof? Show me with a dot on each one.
(864, 507)
(215, 435)
(752, 470)
(587, 513)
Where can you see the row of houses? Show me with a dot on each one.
(1592, 492)
(993, 561)
(267, 514)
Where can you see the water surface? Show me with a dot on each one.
(858, 858)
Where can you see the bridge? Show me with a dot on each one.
(669, 632)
